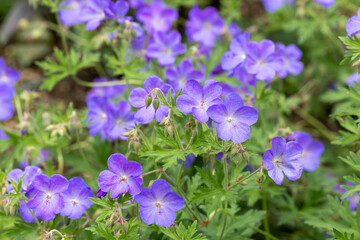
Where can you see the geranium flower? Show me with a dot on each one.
(178, 76)
(291, 56)
(263, 60)
(204, 26)
(238, 52)
(158, 204)
(156, 17)
(312, 150)
(283, 158)
(137, 97)
(196, 100)
(166, 47)
(353, 24)
(48, 200)
(123, 176)
(233, 119)
(76, 198)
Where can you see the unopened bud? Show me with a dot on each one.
(169, 130)
(108, 223)
(12, 210)
(124, 225)
(148, 101)
(260, 178)
(136, 144)
(156, 103)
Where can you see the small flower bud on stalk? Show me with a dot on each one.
(169, 130)
(260, 178)
(124, 225)
(148, 101)
(12, 210)
(136, 144)
(74, 122)
(156, 103)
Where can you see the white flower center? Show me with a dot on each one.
(103, 116)
(3, 78)
(202, 104)
(277, 161)
(167, 51)
(207, 26)
(74, 202)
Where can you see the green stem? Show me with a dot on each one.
(226, 185)
(36, 220)
(183, 195)
(179, 175)
(266, 222)
(60, 160)
(81, 150)
(63, 38)
(315, 123)
(245, 178)
(225, 219)
(264, 233)
(150, 172)
(18, 107)
(105, 84)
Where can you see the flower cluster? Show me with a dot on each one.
(92, 12)
(47, 197)
(107, 115)
(157, 204)
(249, 60)
(8, 77)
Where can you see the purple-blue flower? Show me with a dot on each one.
(238, 52)
(136, 3)
(137, 99)
(233, 119)
(71, 12)
(3, 135)
(8, 75)
(24, 210)
(30, 173)
(156, 17)
(48, 200)
(123, 176)
(166, 47)
(274, 5)
(117, 11)
(204, 25)
(291, 55)
(120, 119)
(97, 116)
(100, 193)
(283, 158)
(76, 198)
(158, 204)
(355, 77)
(233, 29)
(196, 100)
(353, 199)
(93, 14)
(312, 150)
(178, 76)
(353, 24)
(7, 108)
(325, 3)
(263, 60)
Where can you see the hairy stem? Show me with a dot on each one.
(266, 222)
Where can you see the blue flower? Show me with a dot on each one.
(158, 204)
(283, 158)
(166, 47)
(196, 100)
(233, 119)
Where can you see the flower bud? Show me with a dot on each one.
(148, 101)
(260, 178)
(12, 210)
(156, 103)
(136, 144)
(169, 130)
(124, 225)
